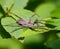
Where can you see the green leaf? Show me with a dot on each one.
(56, 23)
(20, 3)
(3, 32)
(58, 3)
(30, 32)
(1, 11)
(56, 13)
(12, 25)
(0, 37)
(34, 39)
(58, 34)
(13, 4)
(54, 44)
(51, 0)
(10, 44)
(25, 14)
(2, 2)
(44, 10)
(6, 4)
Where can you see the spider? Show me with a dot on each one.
(31, 25)
(24, 23)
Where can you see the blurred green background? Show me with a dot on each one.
(47, 10)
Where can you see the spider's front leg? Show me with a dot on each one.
(40, 21)
(40, 25)
(30, 19)
(37, 20)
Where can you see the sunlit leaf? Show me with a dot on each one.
(13, 4)
(9, 21)
(2, 2)
(25, 14)
(44, 10)
(30, 32)
(21, 3)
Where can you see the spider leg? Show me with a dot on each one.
(31, 17)
(39, 21)
(15, 15)
(41, 26)
(9, 11)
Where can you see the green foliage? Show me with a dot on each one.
(44, 10)
(53, 44)
(10, 44)
(15, 36)
(34, 39)
(56, 13)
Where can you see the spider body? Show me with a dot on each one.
(24, 23)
